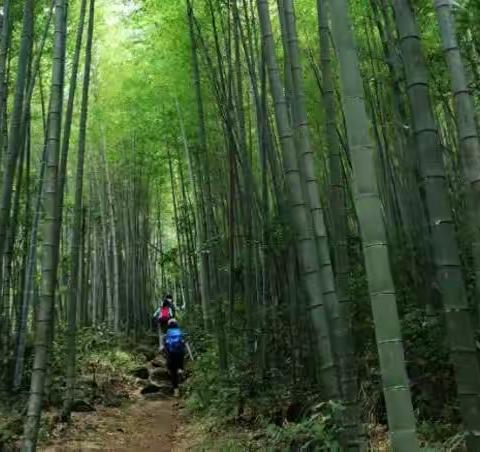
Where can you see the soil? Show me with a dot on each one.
(143, 422)
(143, 425)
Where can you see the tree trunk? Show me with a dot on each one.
(4, 47)
(15, 140)
(77, 222)
(62, 172)
(396, 389)
(113, 231)
(50, 243)
(449, 277)
(348, 367)
(300, 213)
(466, 126)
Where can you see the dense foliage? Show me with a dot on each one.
(301, 175)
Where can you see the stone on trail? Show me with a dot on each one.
(159, 375)
(141, 372)
(80, 406)
(153, 389)
(150, 389)
(157, 396)
(159, 361)
(142, 381)
(166, 389)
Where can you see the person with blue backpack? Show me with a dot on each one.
(174, 343)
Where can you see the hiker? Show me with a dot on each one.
(169, 300)
(165, 314)
(175, 348)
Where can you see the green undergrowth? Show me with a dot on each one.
(239, 410)
(104, 364)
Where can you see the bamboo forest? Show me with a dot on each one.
(240, 225)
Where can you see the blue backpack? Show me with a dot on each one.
(174, 342)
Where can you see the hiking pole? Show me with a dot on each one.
(189, 350)
(160, 345)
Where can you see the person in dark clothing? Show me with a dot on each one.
(175, 348)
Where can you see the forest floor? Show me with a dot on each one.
(124, 402)
(146, 419)
(140, 425)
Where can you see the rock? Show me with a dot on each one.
(142, 382)
(150, 389)
(141, 372)
(165, 389)
(159, 375)
(80, 406)
(157, 389)
(156, 396)
(147, 352)
(159, 361)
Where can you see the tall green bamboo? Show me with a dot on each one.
(113, 231)
(4, 45)
(62, 171)
(307, 169)
(101, 193)
(203, 169)
(199, 222)
(176, 217)
(445, 252)
(466, 125)
(401, 419)
(44, 319)
(77, 223)
(347, 364)
(15, 140)
(300, 212)
(8, 254)
(27, 292)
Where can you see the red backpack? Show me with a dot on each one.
(165, 315)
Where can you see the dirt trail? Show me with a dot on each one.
(143, 425)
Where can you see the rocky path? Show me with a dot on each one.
(142, 426)
(146, 422)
